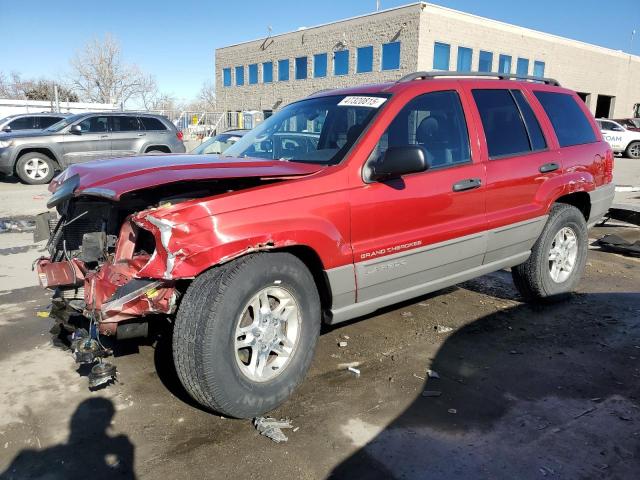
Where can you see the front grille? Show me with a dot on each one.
(76, 223)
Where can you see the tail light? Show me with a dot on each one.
(179, 135)
(608, 166)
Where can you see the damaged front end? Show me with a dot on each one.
(109, 260)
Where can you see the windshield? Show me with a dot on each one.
(217, 144)
(316, 130)
(56, 127)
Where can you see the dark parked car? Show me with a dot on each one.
(35, 156)
(30, 121)
(219, 143)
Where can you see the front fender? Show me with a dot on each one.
(188, 243)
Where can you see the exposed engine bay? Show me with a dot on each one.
(96, 251)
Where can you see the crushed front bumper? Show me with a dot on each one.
(111, 292)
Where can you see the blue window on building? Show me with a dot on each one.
(267, 72)
(391, 56)
(465, 56)
(485, 62)
(226, 77)
(240, 75)
(441, 55)
(522, 67)
(253, 73)
(283, 70)
(504, 64)
(320, 65)
(341, 62)
(364, 59)
(301, 68)
(538, 69)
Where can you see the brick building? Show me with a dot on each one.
(265, 74)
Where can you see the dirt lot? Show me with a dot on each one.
(527, 392)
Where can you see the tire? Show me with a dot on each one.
(211, 368)
(155, 151)
(534, 278)
(35, 168)
(633, 150)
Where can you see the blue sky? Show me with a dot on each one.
(175, 40)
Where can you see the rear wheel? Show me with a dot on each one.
(245, 333)
(633, 150)
(557, 258)
(35, 168)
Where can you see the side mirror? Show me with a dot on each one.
(76, 130)
(398, 161)
(617, 129)
(7, 129)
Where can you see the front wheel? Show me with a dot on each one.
(557, 258)
(245, 333)
(35, 168)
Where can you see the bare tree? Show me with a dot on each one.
(100, 75)
(149, 92)
(207, 97)
(15, 87)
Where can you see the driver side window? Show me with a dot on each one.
(94, 125)
(436, 122)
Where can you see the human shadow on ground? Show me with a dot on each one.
(526, 392)
(89, 453)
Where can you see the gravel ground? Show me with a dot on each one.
(526, 392)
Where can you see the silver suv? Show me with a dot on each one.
(35, 156)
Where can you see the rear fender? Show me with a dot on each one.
(565, 184)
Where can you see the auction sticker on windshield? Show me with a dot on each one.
(371, 102)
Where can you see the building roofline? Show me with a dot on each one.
(529, 30)
(500, 23)
(305, 29)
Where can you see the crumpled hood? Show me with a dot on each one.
(115, 177)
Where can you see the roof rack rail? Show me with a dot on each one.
(502, 76)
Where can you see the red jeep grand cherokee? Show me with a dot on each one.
(337, 205)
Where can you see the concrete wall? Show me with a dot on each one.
(576, 65)
(579, 66)
(396, 24)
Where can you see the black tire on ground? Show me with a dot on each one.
(155, 151)
(633, 150)
(533, 277)
(205, 328)
(35, 168)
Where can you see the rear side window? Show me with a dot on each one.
(46, 122)
(503, 125)
(568, 119)
(125, 124)
(151, 123)
(536, 137)
(434, 121)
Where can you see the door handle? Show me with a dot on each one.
(104, 136)
(141, 134)
(467, 184)
(549, 167)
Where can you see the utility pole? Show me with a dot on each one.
(377, 5)
(633, 34)
(57, 99)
